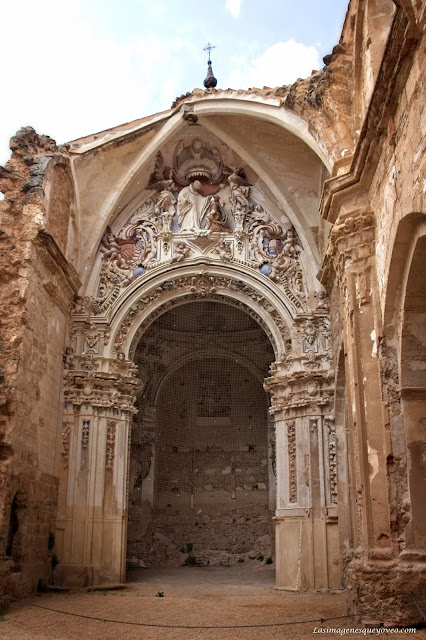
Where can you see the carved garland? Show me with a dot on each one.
(110, 444)
(291, 440)
(66, 434)
(85, 434)
(332, 461)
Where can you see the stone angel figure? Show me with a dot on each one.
(182, 250)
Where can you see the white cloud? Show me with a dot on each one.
(234, 7)
(75, 78)
(282, 63)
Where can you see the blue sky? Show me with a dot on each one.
(75, 68)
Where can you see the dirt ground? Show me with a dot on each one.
(238, 603)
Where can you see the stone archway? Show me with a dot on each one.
(202, 229)
(101, 387)
(201, 462)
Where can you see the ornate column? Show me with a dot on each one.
(350, 259)
(99, 397)
(306, 513)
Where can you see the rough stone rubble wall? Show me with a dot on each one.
(37, 285)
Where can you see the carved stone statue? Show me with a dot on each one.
(181, 252)
(216, 216)
(69, 358)
(240, 190)
(289, 247)
(166, 200)
(192, 207)
(322, 301)
(278, 265)
(224, 251)
(111, 249)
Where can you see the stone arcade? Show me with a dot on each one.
(213, 333)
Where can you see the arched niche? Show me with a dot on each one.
(413, 389)
(201, 458)
(402, 355)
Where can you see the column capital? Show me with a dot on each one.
(107, 393)
(301, 393)
(351, 241)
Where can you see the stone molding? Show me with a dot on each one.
(351, 241)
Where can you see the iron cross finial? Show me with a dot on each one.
(208, 48)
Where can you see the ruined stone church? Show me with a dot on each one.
(213, 334)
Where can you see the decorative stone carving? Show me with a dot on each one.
(216, 215)
(362, 287)
(88, 360)
(224, 250)
(192, 207)
(332, 460)
(102, 391)
(165, 206)
(81, 305)
(125, 368)
(198, 203)
(292, 477)
(300, 391)
(266, 241)
(197, 160)
(202, 285)
(351, 239)
(310, 334)
(69, 359)
(66, 433)
(272, 444)
(278, 255)
(110, 444)
(85, 433)
(136, 246)
(321, 301)
(182, 250)
(91, 338)
(240, 192)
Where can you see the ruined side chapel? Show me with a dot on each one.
(213, 334)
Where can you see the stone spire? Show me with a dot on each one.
(210, 81)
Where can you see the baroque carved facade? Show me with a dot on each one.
(287, 228)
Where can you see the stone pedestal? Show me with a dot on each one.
(92, 522)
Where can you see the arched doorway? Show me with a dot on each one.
(202, 483)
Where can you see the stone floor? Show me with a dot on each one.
(198, 604)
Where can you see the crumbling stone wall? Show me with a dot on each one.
(37, 286)
(381, 198)
(366, 110)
